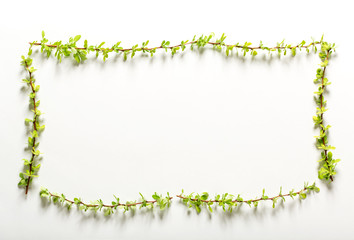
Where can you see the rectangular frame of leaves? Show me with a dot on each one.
(226, 201)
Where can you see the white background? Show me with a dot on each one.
(198, 121)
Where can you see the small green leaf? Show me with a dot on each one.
(293, 51)
(210, 209)
(31, 69)
(197, 208)
(324, 63)
(204, 196)
(34, 134)
(99, 46)
(302, 195)
(77, 38)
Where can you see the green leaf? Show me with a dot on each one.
(30, 141)
(31, 69)
(155, 196)
(263, 196)
(293, 51)
(108, 211)
(247, 44)
(197, 208)
(23, 182)
(77, 201)
(302, 195)
(69, 205)
(77, 38)
(44, 192)
(34, 134)
(204, 196)
(210, 209)
(324, 63)
(274, 202)
(34, 167)
(26, 162)
(99, 46)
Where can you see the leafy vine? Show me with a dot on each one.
(328, 164)
(70, 49)
(159, 200)
(32, 164)
(229, 200)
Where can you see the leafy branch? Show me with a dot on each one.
(230, 201)
(98, 205)
(31, 166)
(79, 53)
(328, 164)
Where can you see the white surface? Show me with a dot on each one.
(198, 121)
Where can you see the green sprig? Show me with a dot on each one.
(98, 205)
(228, 201)
(70, 49)
(31, 166)
(327, 163)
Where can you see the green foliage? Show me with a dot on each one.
(31, 166)
(198, 201)
(79, 54)
(165, 44)
(327, 163)
(228, 202)
(220, 42)
(161, 201)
